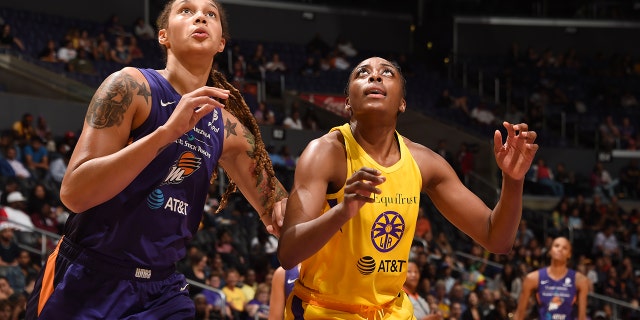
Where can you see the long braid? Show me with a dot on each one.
(236, 105)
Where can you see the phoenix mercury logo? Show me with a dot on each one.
(185, 166)
(387, 231)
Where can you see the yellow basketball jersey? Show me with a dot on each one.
(365, 262)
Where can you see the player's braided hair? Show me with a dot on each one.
(236, 105)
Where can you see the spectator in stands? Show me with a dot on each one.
(524, 234)
(630, 179)
(21, 172)
(445, 100)
(255, 65)
(36, 158)
(114, 27)
(85, 43)
(258, 307)
(317, 47)
(606, 242)
(101, 48)
(197, 271)
(338, 60)
(567, 179)
(24, 129)
(38, 196)
(543, 175)
(50, 52)
(264, 115)
(82, 64)
(275, 64)
(6, 290)
(143, 30)
(67, 52)
(8, 40)
(236, 299)
(628, 134)
(134, 49)
(345, 46)
(310, 119)
(16, 213)
(120, 52)
(43, 130)
(602, 182)
(9, 249)
(58, 166)
(293, 120)
(443, 151)
(609, 134)
(214, 300)
(203, 312)
(513, 114)
(483, 115)
(465, 162)
(634, 243)
(310, 67)
(10, 185)
(248, 283)
(28, 266)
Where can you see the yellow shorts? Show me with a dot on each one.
(398, 309)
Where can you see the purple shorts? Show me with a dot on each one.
(77, 284)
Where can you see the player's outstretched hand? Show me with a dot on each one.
(515, 155)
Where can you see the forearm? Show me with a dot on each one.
(505, 217)
(100, 179)
(314, 234)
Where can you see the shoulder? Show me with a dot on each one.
(582, 280)
(532, 278)
(429, 162)
(418, 150)
(124, 78)
(331, 141)
(321, 158)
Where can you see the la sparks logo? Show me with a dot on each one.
(387, 231)
(185, 166)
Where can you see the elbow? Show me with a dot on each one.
(72, 202)
(501, 248)
(286, 262)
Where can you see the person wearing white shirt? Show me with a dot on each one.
(293, 121)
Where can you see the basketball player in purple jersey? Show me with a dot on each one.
(139, 176)
(557, 288)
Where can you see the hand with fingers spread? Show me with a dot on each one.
(359, 187)
(515, 155)
(194, 106)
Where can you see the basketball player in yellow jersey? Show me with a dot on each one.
(351, 215)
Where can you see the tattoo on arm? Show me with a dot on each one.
(230, 128)
(113, 99)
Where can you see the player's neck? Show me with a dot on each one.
(557, 271)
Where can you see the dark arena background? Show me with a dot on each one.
(570, 69)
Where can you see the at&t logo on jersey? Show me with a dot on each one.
(387, 231)
(155, 200)
(368, 265)
(185, 166)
